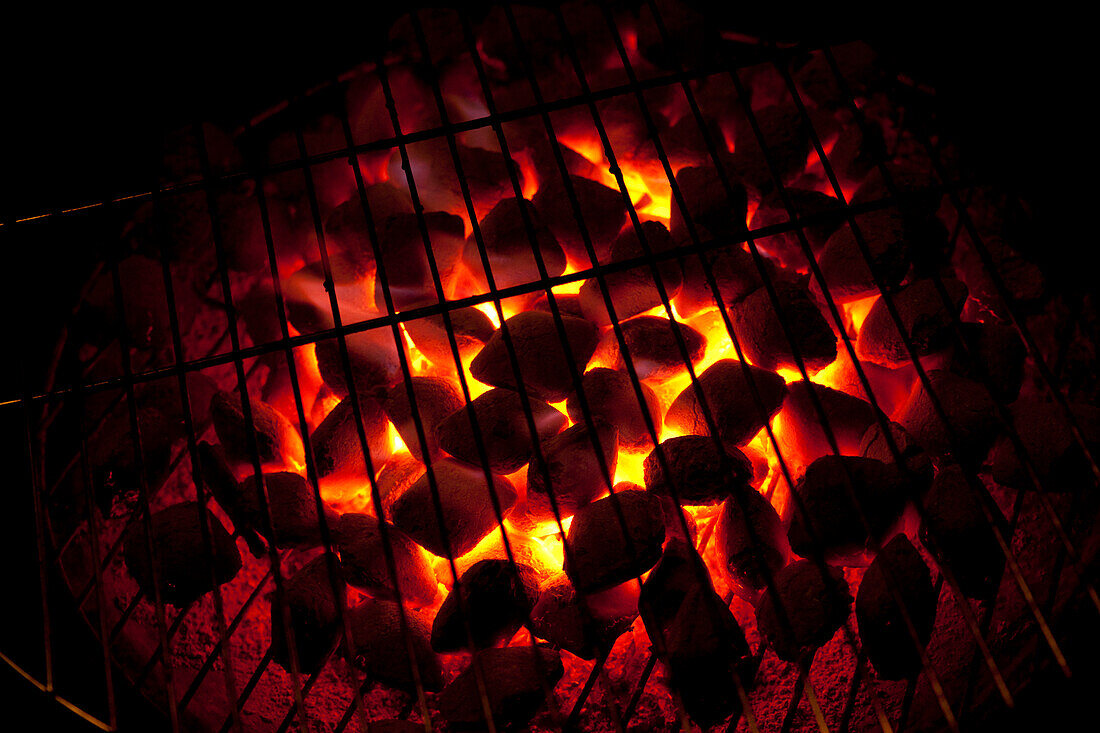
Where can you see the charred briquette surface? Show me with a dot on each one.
(874, 444)
(543, 362)
(919, 194)
(346, 227)
(635, 290)
(955, 530)
(786, 247)
(735, 276)
(883, 632)
(846, 272)
(856, 152)
(751, 538)
(833, 492)
(924, 316)
(653, 347)
(573, 465)
(471, 329)
(363, 557)
(611, 397)
(759, 327)
(714, 214)
(785, 132)
(293, 507)
(218, 477)
(498, 596)
(467, 508)
(727, 393)
(1058, 459)
(145, 307)
(860, 68)
(603, 214)
(699, 472)
(436, 399)
(394, 726)
(848, 418)
(381, 649)
(815, 603)
(969, 409)
(569, 304)
(600, 553)
(515, 682)
(573, 624)
(695, 635)
(184, 562)
(314, 613)
(1021, 277)
(509, 248)
(336, 448)
(277, 440)
(503, 427)
(995, 356)
(374, 361)
(111, 454)
(408, 272)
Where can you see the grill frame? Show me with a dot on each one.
(238, 355)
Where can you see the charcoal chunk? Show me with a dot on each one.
(601, 554)
(994, 356)
(860, 68)
(576, 625)
(514, 682)
(603, 213)
(1057, 458)
(751, 539)
(373, 357)
(927, 321)
(760, 328)
(786, 247)
(699, 472)
(882, 625)
(471, 329)
(467, 508)
(185, 565)
(314, 603)
(833, 493)
(436, 399)
(363, 557)
(405, 261)
(509, 248)
(337, 452)
(847, 417)
(346, 229)
(713, 214)
(611, 397)
(503, 427)
(653, 347)
(498, 596)
(381, 649)
(960, 537)
(815, 604)
(785, 133)
(635, 290)
(735, 275)
(874, 444)
(573, 467)
(727, 392)
(293, 507)
(115, 469)
(543, 361)
(277, 440)
(846, 272)
(695, 635)
(856, 152)
(1021, 277)
(919, 192)
(969, 409)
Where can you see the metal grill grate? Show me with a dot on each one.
(1074, 551)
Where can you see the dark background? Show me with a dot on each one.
(86, 97)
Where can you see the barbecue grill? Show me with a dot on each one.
(589, 368)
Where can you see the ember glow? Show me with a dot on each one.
(719, 457)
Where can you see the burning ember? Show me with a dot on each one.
(579, 395)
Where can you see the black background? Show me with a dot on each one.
(86, 95)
